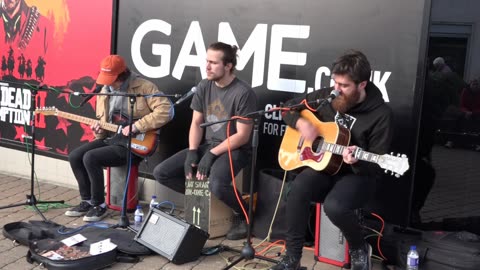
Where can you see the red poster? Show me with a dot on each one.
(56, 44)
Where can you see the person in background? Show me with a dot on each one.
(470, 106)
(88, 160)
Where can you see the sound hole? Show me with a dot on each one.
(317, 144)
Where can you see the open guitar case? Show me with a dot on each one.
(42, 237)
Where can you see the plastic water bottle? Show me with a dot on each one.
(153, 202)
(412, 258)
(138, 217)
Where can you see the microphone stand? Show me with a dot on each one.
(124, 222)
(31, 199)
(247, 252)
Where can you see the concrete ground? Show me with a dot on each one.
(12, 256)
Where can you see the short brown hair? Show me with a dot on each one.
(354, 64)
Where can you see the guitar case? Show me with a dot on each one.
(79, 257)
(42, 236)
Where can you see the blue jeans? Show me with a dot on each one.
(171, 174)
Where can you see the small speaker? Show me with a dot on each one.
(330, 245)
(174, 239)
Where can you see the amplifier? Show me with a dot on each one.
(173, 238)
(330, 245)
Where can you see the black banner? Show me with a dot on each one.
(286, 49)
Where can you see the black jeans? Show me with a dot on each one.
(340, 194)
(171, 174)
(88, 161)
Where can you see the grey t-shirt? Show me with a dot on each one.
(215, 103)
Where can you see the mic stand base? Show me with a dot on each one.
(123, 222)
(248, 252)
(31, 199)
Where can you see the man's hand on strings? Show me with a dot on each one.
(306, 129)
(348, 154)
(126, 130)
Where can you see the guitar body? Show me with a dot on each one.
(297, 152)
(143, 144)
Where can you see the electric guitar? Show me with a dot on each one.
(143, 144)
(325, 152)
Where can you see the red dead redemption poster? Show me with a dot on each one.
(48, 48)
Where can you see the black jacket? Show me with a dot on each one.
(370, 124)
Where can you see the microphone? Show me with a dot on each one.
(97, 90)
(187, 95)
(322, 102)
(335, 93)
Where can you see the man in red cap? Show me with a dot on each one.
(88, 160)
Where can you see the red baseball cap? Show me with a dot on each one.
(110, 68)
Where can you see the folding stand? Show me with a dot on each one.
(124, 222)
(31, 199)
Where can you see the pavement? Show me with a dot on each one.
(12, 256)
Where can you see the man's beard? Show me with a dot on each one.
(344, 103)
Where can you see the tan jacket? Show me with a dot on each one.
(151, 112)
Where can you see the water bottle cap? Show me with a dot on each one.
(139, 207)
(413, 247)
(154, 196)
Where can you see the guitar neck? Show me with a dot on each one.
(359, 153)
(86, 120)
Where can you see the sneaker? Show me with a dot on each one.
(360, 258)
(79, 210)
(239, 228)
(97, 213)
(287, 263)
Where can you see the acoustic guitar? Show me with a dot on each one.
(325, 152)
(143, 144)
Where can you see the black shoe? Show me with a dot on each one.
(79, 210)
(239, 228)
(97, 213)
(287, 263)
(360, 258)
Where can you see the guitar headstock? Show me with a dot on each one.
(397, 165)
(47, 110)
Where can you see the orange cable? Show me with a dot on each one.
(231, 168)
(379, 236)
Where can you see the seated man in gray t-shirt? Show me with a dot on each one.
(219, 97)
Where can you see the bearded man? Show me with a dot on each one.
(361, 109)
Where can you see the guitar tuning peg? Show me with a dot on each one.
(391, 153)
(397, 175)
